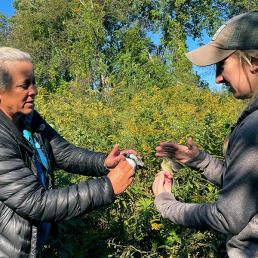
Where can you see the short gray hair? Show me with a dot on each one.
(9, 54)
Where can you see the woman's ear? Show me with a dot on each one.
(1, 94)
(254, 66)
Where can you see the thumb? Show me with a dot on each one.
(161, 181)
(168, 184)
(115, 151)
(157, 186)
(120, 158)
(190, 143)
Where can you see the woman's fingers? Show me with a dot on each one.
(181, 153)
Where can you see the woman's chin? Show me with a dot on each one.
(28, 110)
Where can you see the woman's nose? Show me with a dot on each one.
(219, 79)
(33, 91)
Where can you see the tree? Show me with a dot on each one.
(4, 28)
(99, 43)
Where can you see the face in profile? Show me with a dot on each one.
(18, 98)
(239, 76)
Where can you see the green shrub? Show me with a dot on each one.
(131, 226)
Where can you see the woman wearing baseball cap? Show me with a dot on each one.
(234, 50)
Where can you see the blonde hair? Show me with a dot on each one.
(247, 55)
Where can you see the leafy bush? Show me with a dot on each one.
(131, 226)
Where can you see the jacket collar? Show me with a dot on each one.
(253, 105)
(11, 127)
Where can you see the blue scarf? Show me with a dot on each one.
(40, 160)
(41, 164)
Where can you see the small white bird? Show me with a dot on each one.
(134, 161)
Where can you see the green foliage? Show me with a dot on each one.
(103, 82)
(134, 67)
(99, 44)
(132, 227)
(4, 28)
(39, 27)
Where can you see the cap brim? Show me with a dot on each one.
(208, 55)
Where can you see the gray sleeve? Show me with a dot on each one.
(188, 214)
(237, 200)
(211, 167)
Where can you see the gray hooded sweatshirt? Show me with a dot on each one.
(235, 212)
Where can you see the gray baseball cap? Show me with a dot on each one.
(238, 33)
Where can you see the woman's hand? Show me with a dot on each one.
(115, 156)
(180, 153)
(162, 183)
(121, 176)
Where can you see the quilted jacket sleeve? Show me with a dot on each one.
(71, 158)
(20, 190)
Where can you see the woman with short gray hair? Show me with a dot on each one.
(30, 149)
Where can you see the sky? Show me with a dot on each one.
(206, 73)
(6, 7)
